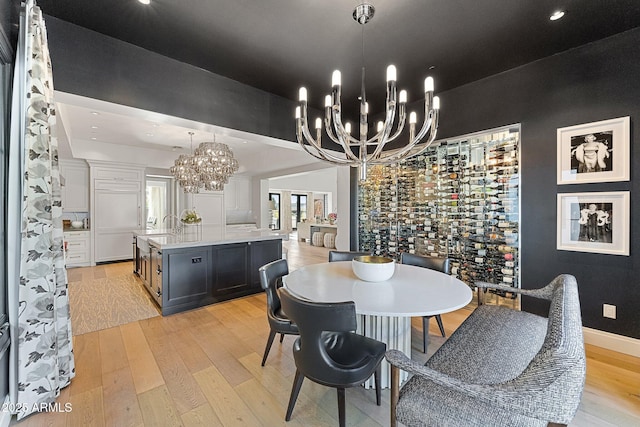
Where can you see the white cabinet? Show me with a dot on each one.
(237, 194)
(75, 192)
(210, 206)
(77, 246)
(117, 205)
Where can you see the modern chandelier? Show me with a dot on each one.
(363, 151)
(208, 167)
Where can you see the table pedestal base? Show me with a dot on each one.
(395, 332)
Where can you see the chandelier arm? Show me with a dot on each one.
(389, 119)
(328, 127)
(303, 134)
(428, 113)
(413, 141)
(399, 154)
(345, 139)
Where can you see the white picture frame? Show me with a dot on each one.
(595, 222)
(594, 152)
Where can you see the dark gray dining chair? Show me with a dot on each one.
(328, 351)
(442, 265)
(271, 279)
(335, 256)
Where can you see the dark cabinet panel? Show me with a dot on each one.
(230, 264)
(187, 276)
(263, 253)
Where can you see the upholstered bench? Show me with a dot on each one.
(500, 367)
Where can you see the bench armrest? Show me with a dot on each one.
(505, 395)
(542, 293)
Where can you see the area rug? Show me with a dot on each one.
(103, 303)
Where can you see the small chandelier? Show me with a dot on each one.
(368, 150)
(209, 167)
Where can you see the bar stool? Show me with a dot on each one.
(318, 238)
(330, 240)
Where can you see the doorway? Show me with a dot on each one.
(274, 208)
(159, 197)
(298, 209)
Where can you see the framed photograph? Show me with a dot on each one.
(594, 152)
(594, 222)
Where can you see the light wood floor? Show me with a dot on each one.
(202, 368)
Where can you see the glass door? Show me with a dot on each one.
(298, 209)
(274, 208)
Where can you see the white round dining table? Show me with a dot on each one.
(384, 309)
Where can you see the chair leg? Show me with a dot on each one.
(376, 377)
(395, 393)
(341, 408)
(425, 333)
(295, 390)
(272, 335)
(440, 325)
(282, 337)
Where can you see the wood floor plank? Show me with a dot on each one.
(307, 412)
(221, 357)
(194, 358)
(184, 390)
(144, 369)
(158, 409)
(269, 410)
(225, 402)
(87, 409)
(114, 355)
(202, 416)
(120, 400)
(86, 349)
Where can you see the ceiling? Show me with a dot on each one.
(280, 45)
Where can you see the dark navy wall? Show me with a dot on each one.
(594, 82)
(90, 64)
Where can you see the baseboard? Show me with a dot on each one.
(5, 416)
(619, 343)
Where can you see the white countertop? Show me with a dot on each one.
(212, 236)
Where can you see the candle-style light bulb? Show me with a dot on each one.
(347, 127)
(318, 123)
(336, 78)
(428, 84)
(403, 96)
(327, 101)
(380, 125)
(391, 73)
(302, 94)
(297, 112)
(413, 118)
(436, 103)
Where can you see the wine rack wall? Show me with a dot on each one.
(460, 199)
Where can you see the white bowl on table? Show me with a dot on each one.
(373, 268)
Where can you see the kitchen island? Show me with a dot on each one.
(182, 273)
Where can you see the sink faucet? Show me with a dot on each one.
(175, 228)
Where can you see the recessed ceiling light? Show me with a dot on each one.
(94, 127)
(95, 113)
(557, 15)
(94, 138)
(145, 1)
(149, 134)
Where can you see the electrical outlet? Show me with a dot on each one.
(609, 310)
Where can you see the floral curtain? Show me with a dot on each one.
(42, 352)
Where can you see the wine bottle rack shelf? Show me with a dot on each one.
(460, 199)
